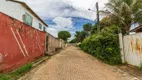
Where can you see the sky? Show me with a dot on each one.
(67, 15)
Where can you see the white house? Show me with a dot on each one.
(22, 12)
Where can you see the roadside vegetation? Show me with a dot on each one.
(81, 35)
(104, 44)
(14, 75)
(64, 35)
(17, 73)
(22, 69)
(140, 67)
(4, 77)
(123, 13)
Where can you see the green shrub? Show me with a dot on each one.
(140, 67)
(22, 69)
(104, 45)
(14, 75)
(4, 77)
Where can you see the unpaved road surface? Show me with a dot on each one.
(74, 64)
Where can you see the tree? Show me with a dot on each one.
(125, 12)
(94, 29)
(64, 35)
(80, 36)
(108, 21)
(73, 40)
(87, 28)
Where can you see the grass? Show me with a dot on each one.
(4, 77)
(21, 70)
(140, 67)
(15, 74)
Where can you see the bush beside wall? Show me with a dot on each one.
(104, 45)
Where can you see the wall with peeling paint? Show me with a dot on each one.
(19, 43)
(133, 49)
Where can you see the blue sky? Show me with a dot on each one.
(76, 25)
(67, 15)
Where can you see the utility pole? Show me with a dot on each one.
(98, 17)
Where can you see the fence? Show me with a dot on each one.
(131, 46)
(54, 44)
(19, 43)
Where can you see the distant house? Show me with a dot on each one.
(22, 12)
(137, 29)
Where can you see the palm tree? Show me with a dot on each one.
(126, 12)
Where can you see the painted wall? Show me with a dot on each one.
(16, 11)
(54, 43)
(133, 49)
(19, 43)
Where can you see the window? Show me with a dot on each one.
(44, 29)
(28, 19)
(40, 26)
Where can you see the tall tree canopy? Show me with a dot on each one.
(87, 28)
(108, 21)
(80, 36)
(126, 12)
(64, 35)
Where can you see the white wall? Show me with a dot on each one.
(133, 49)
(16, 11)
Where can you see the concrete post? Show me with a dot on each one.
(121, 47)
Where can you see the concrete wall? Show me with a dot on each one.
(54, 44)
(133, 49)
(19, 43)
(16, 11)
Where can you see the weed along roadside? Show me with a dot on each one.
(14, 75)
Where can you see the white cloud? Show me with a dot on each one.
(57, 10)
(74, 8)
(52, 31)
(63, 23)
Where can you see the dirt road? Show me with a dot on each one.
(74, 64)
